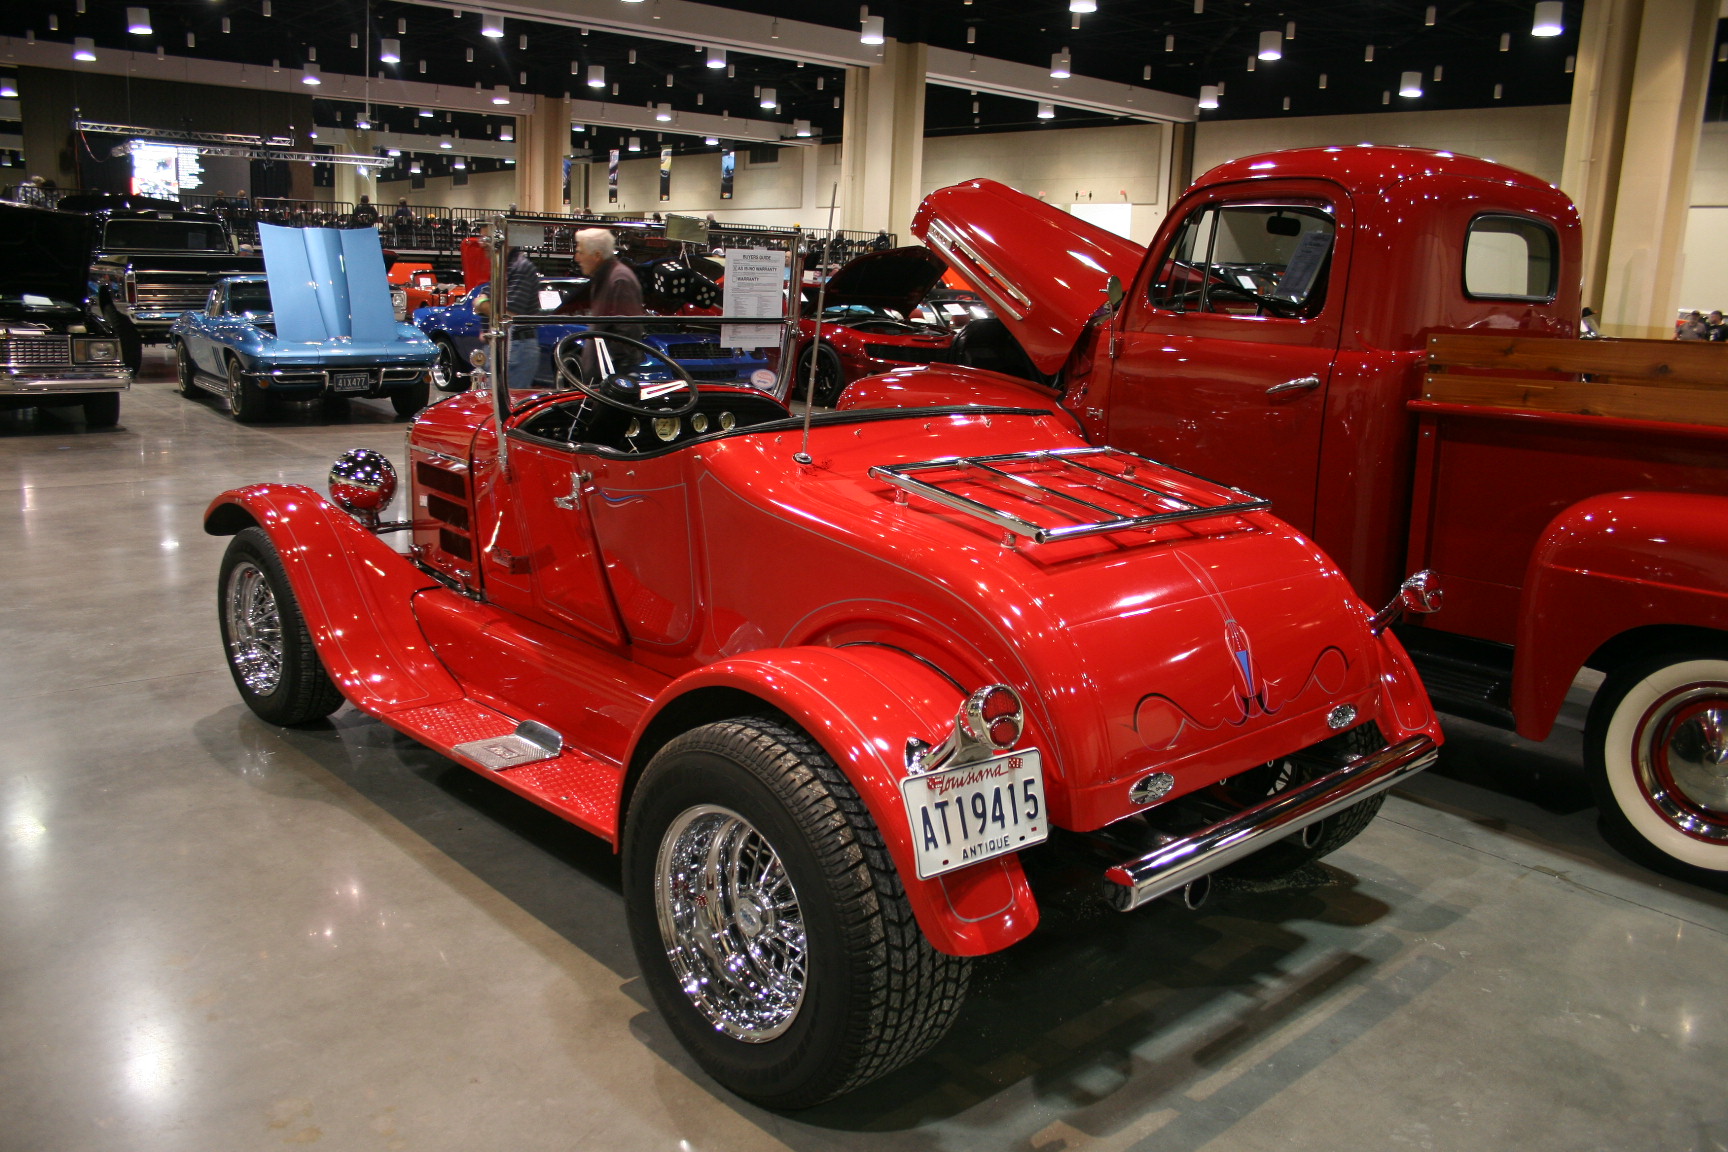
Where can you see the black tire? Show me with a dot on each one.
(264, 636)
(246, 401)
(101, 409)
(1655, 742)
(874, 994)
(830, 376)
(184, 371)
(409, 401)
(449, 371)
(1319, 839)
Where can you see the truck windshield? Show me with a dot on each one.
(1248, 259)
(165, 236)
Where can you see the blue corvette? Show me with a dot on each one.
(456, 330)
(318, 324)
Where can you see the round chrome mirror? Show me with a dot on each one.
(363, 482)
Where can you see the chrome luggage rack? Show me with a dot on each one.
(1205, 498)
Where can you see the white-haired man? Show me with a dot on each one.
(615, 290)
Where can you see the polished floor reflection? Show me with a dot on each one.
(217, 935)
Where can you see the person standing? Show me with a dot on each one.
(1692, 328)
(521, 298)
(615, 290)
(1715, 328)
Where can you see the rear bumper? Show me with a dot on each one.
(1187, 858)
(381, 382)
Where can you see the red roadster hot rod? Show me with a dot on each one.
(821, 788)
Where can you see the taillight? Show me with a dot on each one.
(994, 715)
(131, 287)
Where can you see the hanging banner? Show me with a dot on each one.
(612, 177)
(728, 162)
(567, 165)
(665, 174)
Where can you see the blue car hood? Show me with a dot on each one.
(328, 283)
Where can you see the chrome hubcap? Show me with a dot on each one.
(254, 628)
(731, 924)
(1681, 753)
(444, 368)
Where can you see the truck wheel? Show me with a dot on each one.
(448, 372)
(183, 369)
(1656, 744)
(769, 922)
(101, 409)
(248, 402)
(270, 652)
(830, 377)
(410, 400)
(1318, 839)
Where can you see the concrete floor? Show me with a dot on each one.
(218, 935)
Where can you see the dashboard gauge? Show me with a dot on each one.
(666, 427)
(699, 422)
(634, 430)
(727, 421)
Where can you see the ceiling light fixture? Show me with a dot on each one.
(1169, 46)
(1499, 89)
(226, 26)
(871, 30)
(394, 152)
(663, 112)
(1061, 65)
(444, 143)
(1322, 79)
(716, 57)
(1290, 30)
(1046, 110)
(310, 75)
(506, 134)
(1082, 6)
(1272, 45)
(1505, 41)
(414, 167)
(500, 94)
(635, 141)
(459, 164)
(361, 123)
(596, 76)
(191, 41)
(800, 127)
(491, 26)
(770, 98)
(710, 140)
(427, 112)
(1208, 96)
(264, 9)
(83, 48)
(1428, 15)
(522, 42)
(1550, 17)
(390, 51)
(1368, 55)
(8, 90)
(138, 21)
(1410, 84)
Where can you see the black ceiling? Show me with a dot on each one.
(1124, 41)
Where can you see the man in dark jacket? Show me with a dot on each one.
(613, 291)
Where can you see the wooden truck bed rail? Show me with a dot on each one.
(1666, 380)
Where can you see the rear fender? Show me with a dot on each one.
(355, 592)
(1604, 567)
(862, 704)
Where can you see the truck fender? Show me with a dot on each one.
(1604, 567)
(862, 704)
(949, 384)
(355, 592)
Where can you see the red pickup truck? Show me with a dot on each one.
(1383, 341)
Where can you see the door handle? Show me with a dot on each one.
(1300, 384)
(573, 502)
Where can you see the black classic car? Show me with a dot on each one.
(55, 350)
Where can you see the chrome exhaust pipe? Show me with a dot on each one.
(1180, 863)
(1193, 894)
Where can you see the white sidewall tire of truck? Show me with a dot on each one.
(1629, 700)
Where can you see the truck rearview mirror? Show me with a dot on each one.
(1113, 291)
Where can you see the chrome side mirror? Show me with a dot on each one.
(362, 483)
(1420, 593)
(1114, 292)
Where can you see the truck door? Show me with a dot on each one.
(1226, 350)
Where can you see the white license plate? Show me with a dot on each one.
(351, 382)
(960, 816)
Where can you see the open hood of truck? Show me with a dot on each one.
(1042, 270)
(45, 253)
(898, 278)
(328, 283)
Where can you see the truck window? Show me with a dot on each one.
(1510, 258)
(164, 236)
(1249, 260)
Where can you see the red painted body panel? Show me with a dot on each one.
(951, 384)
(865, 353)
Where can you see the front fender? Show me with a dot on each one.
(862, 704)
(1603, 567)
(355, 592)
(945, 384)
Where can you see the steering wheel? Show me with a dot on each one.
(618, 387)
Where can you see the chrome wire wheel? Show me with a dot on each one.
(254, 628)
(731, 923)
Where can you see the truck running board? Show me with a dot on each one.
(1464, 677)
(528, 758)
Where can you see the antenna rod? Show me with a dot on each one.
(802, 456)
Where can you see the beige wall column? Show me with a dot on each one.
(542, 143)
(350, 185)
(882, 153)
(1637, 105)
